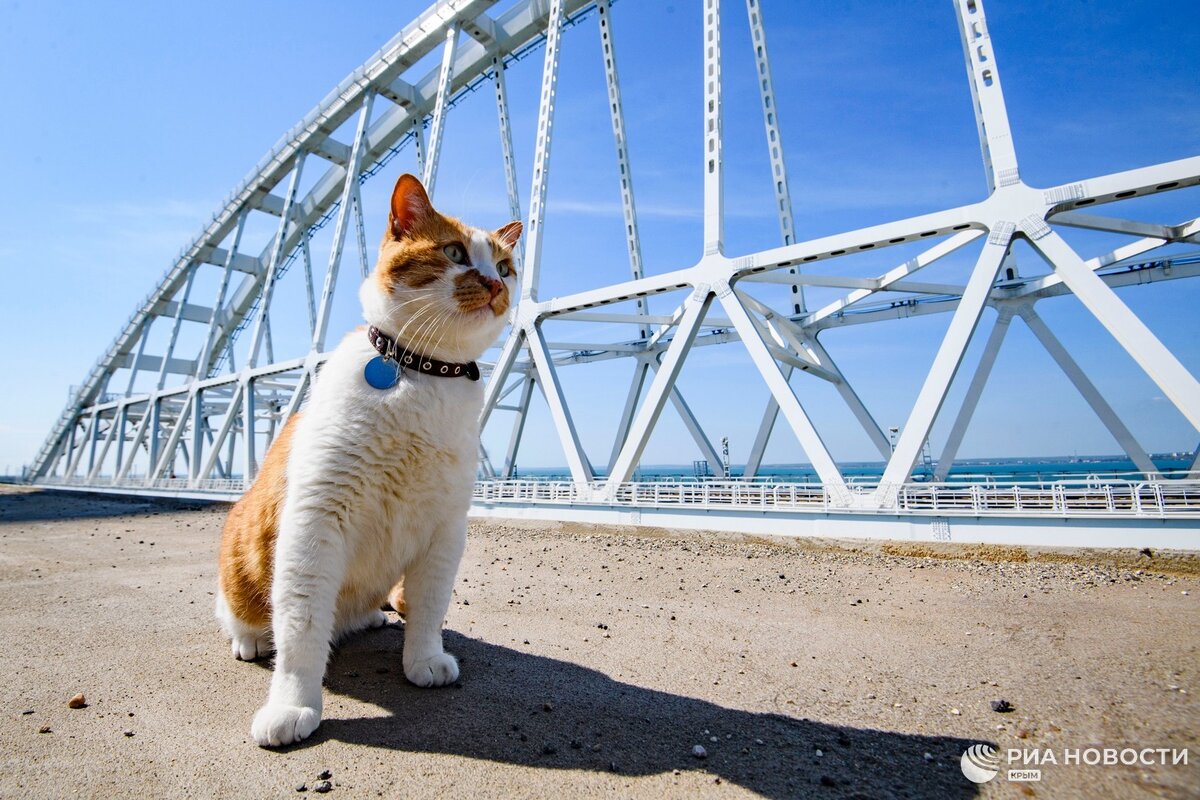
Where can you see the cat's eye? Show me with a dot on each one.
(504, 268)
(455, 252)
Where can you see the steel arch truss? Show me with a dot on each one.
(207, 432)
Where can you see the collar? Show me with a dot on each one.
(391, 350)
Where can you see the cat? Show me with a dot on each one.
(363, 496)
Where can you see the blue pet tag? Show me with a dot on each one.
(381, 374)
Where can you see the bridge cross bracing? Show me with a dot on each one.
(201, 425)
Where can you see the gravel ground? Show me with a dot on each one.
(602, 662)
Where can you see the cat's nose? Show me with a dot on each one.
(494, 286)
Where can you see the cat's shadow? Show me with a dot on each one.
(516, 708)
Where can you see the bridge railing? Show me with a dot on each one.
(1082, 497)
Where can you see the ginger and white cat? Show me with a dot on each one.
(370, 486)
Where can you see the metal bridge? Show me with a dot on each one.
(189, 395)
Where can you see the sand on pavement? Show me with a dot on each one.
(594, 660)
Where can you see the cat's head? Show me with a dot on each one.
(440, 287)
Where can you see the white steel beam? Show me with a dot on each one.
(786, 334)
(633, 241)
(506, 151)
(664, 381)
(198, 438)
(231, 417)
(1130, 250)
(547, 381)
(640, 367)
(698, 435)
(1164, 177)
(541, 159)
(619, 319)
(176, 366)
(512, 344)
(85, 445)
(1187, 232)
(154, 434)
(1180, 387)
(360, 231)
(1077, 219)
(779, 176)
(876, 236)
(220, 257)
(1091, 394)
(1038, 288)
(297, 396)
(122, 425)
(991, 116)
(945, 365)
(135, 363)
(714, 168)
(249, 414)
(309, 290)
(974, 391)
(167, 456)
(514, 440)
(349, 182)
(97, 464)
(793, 411)
(429, 176)
(485, 463)
(500, 372)
(332, 150)
(206, 354)
(176, 323)
(897, 274)
(851, 398)
(139, 433)
(418, 134)
(853, 401)
(264, 299)
(762, 437)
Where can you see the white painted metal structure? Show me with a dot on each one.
(204, 434)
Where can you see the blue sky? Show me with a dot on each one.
(129, 123)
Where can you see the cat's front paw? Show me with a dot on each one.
(276, 725)
(437, 670)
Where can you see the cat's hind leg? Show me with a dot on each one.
(396, 599)
(248, 642)
(374, 618)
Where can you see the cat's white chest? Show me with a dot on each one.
(395, 466)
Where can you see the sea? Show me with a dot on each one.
(999, 471)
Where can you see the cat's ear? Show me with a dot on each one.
(410, 206)
(510, 233)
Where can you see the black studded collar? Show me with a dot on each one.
(391, 350)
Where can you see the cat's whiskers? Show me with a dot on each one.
(444, 326)
(399, 335)
(428, 329)
(430, 314)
